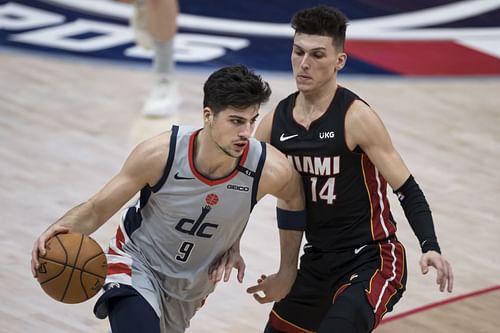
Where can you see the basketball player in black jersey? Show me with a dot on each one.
(353, 270)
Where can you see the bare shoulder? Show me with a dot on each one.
(362, 125)
(281, 180)
(276, 173)
(359, 112)
(149, 157)
(263, 132)
(151, 149)
(276, 162)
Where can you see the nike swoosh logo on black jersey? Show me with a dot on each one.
(358, 249)
(176, 176)
(285, 138)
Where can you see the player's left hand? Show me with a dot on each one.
(443, 267)
(224, 265)
(274, 287)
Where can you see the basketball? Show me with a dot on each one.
(73, 268)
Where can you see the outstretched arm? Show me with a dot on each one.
(281, 180)
(364, 129)
(144, 166)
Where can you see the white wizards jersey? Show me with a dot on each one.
(180, 226)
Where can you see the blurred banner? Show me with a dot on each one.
(385, 37)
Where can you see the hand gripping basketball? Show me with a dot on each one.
(73, 268)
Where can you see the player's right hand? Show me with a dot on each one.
(39, 245)
(444, 271)
(224, 265)
(272, 288)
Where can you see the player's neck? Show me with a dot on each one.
(317, 99)
(210, 160)
(311, 105)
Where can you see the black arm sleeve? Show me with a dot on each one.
(418, 213)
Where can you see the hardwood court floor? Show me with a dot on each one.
(66, 127)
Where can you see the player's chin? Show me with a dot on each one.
(304, 86)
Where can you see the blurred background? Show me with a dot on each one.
(73, 82)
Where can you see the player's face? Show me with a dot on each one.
(231, 129)
(315, 61)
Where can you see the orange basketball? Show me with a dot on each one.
(73, 269)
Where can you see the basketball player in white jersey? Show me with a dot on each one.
(197, 189)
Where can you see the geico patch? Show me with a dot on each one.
(240, 188)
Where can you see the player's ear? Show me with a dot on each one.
(208, 116)
(341, 60)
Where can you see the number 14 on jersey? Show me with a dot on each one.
(327, 191)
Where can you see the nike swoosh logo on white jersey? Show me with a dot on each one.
(357, 250)
(176, 176)
(284, 138)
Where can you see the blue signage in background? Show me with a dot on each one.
(417, 38)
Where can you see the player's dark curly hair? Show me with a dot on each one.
(234, 86)
(323, 21)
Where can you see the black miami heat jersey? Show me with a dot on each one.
(345, 194)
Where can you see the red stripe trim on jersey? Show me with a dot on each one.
(120, 238)
(119, 268)
(212, 182)
(386, 280)
(376, 188)
(283, 325)
(112, 252)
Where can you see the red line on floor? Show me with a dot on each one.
(440, 303)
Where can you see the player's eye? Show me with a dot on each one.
(298, 52)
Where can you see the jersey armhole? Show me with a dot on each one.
(281, 107)
(357, 150)
(258, 173)
(170, 159)
(273, 121)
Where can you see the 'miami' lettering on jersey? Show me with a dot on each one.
(321, 172)
(315, 165)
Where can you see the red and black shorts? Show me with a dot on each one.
(374, 275)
